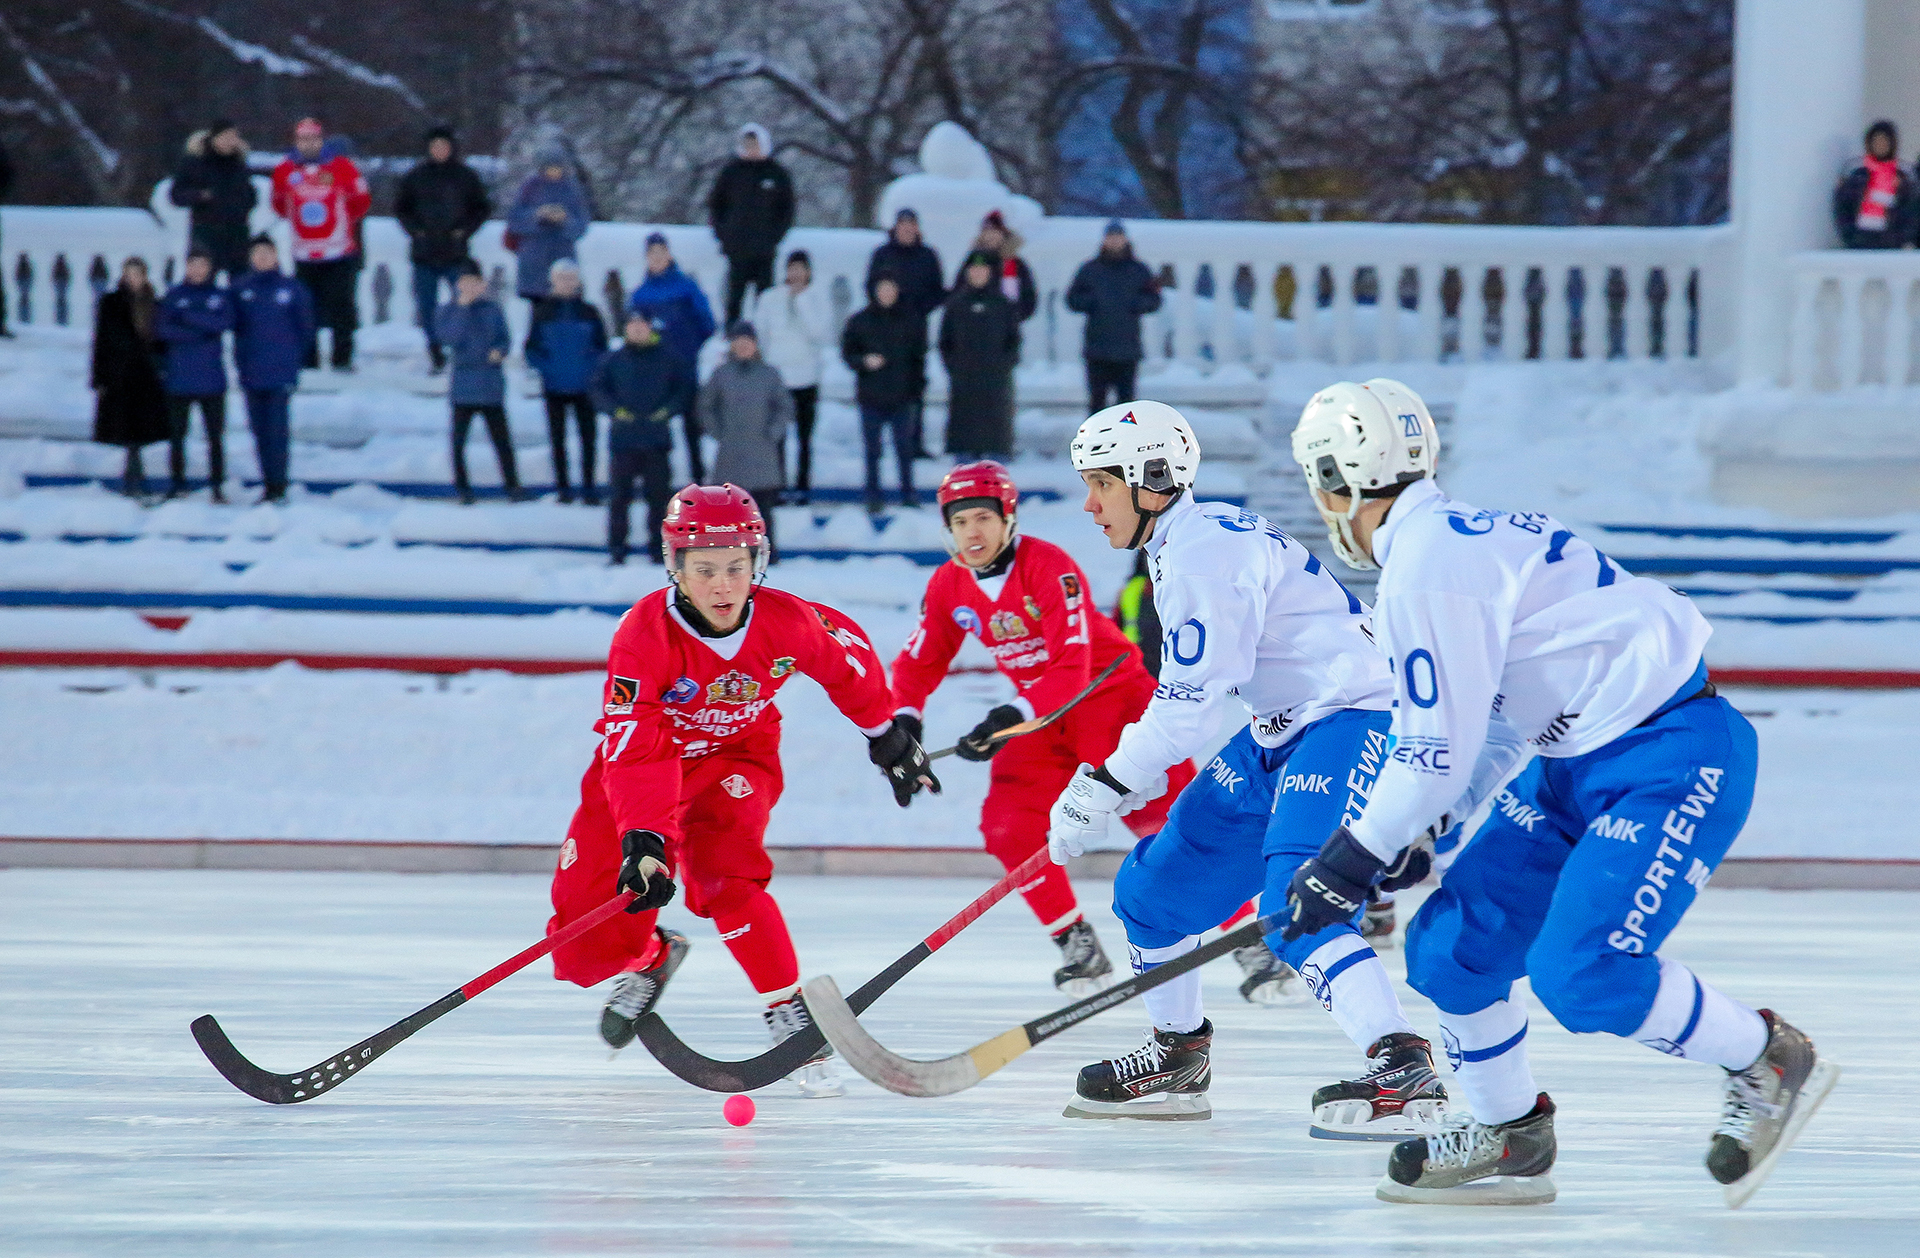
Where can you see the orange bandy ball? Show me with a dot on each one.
(737, 1110)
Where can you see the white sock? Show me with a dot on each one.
(1488, 1053)
(1692, 1020)
(1174, 1005)
(1346, 974)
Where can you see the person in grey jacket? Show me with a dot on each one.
(1114, 290)
(746, 406)
(473, 331)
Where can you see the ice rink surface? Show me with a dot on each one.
(505, 1130)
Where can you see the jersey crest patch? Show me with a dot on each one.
(681, 691)
(733, 686)
(782, 666)
(620, 696)
(1033, 608)
(736, 786)
(1070, 587)
(1007, 625)
(967, 618)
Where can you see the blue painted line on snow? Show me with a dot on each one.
(1797, 537)
(1825, 596)
(1670, 565)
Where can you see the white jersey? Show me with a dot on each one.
(1506, 635)
(1248, 615)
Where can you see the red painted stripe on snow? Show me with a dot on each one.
(267, 659)
(1819, 678)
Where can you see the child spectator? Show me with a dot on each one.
(565, 342)
(1876, 205)
(886, 346)
(193, 321)
(747, 408)
(640, 386)
(795, 329)
(474, 331)
(273, 321)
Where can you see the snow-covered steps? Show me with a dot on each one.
(1682, 549)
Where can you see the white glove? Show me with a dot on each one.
(1144, 795)
(1081, 814)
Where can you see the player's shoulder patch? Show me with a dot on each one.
(620, 695)
(782, 666)
(967, 618)
(1070, 589)
(682, 690)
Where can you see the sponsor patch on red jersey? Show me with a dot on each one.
(782, 666)
(682, 690)
(621, 695)
(736, 786)
(733, 686)
(1070, 587)
(1007, 625)
(1033, 609)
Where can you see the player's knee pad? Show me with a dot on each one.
(1433, 966)
(1593, 991)
(722, 897)
(1145, 905)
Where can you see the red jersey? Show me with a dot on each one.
(672, 695)
(321, 201)
(1037, 619)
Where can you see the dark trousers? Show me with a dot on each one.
(267, 416)
(213, 414)
(655, 470)
(1104, 375)
(133, 478)
(426, 301)
(806, 406)
(757, 271)
(584, 419)
(332, 285)
(900, 422)
(696, 457)
(496, 417)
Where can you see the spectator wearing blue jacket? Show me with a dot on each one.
(674, 304)
(548, 217)
(473, 330)
(192, 321)
(565, 342)
(273, 321)
(640, 386)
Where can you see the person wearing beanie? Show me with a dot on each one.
(1012, 276)
(192, 320)
(547, 219)
(273, 323)
(747, 408)
(212, 183)
(474, 330)
(1877, 204)
(1115, 290)
(564, 343)
(324, 198)
(441, 202)
(673, 302)
(796, 327)
(750, 208)
(980, 346)
(915, 268)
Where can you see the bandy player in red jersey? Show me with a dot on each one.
(1027, 601)
(688, 768)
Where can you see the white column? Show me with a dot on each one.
(1798, 94)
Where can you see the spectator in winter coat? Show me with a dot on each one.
(548, 217)
(565, 342)
(1012, 276)
(474, 331)
(640, 386)
(6, 186)
(915, 267)
(323, 197)
(980, 345)
(273, 321)
(441, 203)
(750, 209)
(214, 185)
(130, 405)
(678, 311)
(886, 346)
(193, 321)
(1876, 205)
(746, 406)
(795, 328)
(1115, 291)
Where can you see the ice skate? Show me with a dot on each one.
(1377, 927)
(1087, 969)
(1765, 1107)
(816, 1077)
(636, 992)
(1165, 1079)
(1268, 980)
(1468, 1163)
(1400, 1097)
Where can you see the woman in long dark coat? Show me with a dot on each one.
(130, 406)
(980, 345)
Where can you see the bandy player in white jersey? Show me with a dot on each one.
(1255, 622)
(1508, 635)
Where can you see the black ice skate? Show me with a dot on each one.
(1377, 927)
(1267, 979)
(816, 1077)
(1165, 1079)
(636, 992)
(1466, 1163)
(1087, 969)
(1766, 1105)
(1400, 1097)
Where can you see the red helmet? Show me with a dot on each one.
(714, 515)
(985, 481)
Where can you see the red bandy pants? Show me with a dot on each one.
(1032, 770)
(720, 863)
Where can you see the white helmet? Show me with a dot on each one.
(1376, 438)
(1150, 442)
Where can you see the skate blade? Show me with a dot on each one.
(1178, 1107)
(1081, 987)
(1279, 995)
(1819, 1082)
(1353, 1120)
(1498, 1190)
(818, 1087)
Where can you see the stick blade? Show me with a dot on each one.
(262, 1085)
(873, 1059)
(715, 1075)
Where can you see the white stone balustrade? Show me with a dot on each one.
(1855, 320)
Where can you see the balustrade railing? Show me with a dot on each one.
(1856, 320)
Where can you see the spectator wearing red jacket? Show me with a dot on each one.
(323, 196)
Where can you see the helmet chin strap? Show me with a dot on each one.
(1340, 531)
(1146, 517)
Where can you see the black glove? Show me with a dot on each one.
(1413, 866)
(1331, 888)
(979, 743)
(645, 871)
(903, 761)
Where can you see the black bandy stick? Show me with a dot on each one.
(837, 1019)
(1040, 722)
